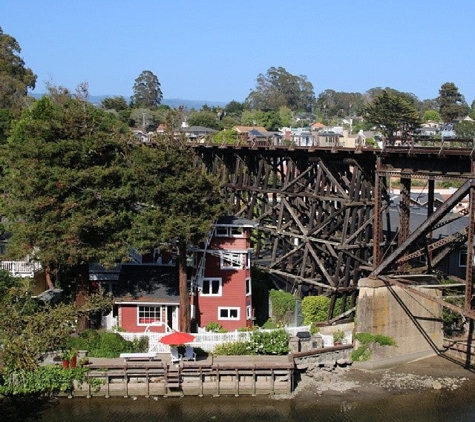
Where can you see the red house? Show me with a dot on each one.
(147, 296)
(221, 283)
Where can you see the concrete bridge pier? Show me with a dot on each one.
(413, 321)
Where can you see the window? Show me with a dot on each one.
(237, 231)
(463, 258)
(230, 261)
(248, 286)
(211, 287)
(248, 260)
(149, 314)
(248, 312)
(223, 231)
(228, 313)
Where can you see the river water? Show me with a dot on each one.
(427, 406)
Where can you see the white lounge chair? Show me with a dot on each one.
(175, 356)
(190, 353)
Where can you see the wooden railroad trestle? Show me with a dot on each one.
(324, 218)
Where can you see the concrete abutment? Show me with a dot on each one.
(414, 322)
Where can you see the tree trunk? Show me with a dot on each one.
(82, 295)
(49, 282)
(185, 323)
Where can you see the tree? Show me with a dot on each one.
(147, 91)
(14, 76)
(465, 129)
(114, 103)
(29, 328)
(66, 187)
(431, 115)
(278, 88)
(179, 203)
(392, 114)
(204, 118)
(452, 104)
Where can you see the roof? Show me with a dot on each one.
(246, 129)
(232, 220)
(147, 283)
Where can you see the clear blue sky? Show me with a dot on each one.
(214, 50)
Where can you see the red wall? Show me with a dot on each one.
(128, 320)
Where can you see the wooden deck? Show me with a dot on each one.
(211, 376)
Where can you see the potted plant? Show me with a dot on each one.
(65, 359)
(73, 357)
(338, 337)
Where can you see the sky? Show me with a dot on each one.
(214, 50)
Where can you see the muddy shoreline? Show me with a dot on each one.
(432, 373)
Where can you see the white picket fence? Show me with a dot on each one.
(204, 340)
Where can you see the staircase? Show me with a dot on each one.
(173, 381)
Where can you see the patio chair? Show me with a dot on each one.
(190, 353)
(175, 356)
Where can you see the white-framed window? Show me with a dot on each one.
(237, 231)
(248, 312)
(223, 231)
(230, 261)
(212, 287)
(248, 286)
(149, 314)
(248, 260)
(228, 313)
(463, 258)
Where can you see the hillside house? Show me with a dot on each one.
(221, 279)
(147, 295)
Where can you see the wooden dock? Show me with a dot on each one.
(213, 376)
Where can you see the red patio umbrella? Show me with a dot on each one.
(177, 338)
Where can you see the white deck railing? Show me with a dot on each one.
(206, 341)
(20, 268)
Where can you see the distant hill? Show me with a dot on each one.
(171, 102)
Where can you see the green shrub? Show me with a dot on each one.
(315, 309)
(283, 304)
(45, 380)
(214, 327)
(270, 325)
(104, 344)
(363, 353)
(234, 348)
(269, 343)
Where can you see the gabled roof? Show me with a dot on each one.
(147, 283)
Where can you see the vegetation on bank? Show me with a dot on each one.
(363, 351)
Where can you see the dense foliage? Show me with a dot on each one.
(275, 342)
(315, 309)
(393, 114)
(104, 344)
(147, 90)
(279, 88)
(283, 304)
(452, 104)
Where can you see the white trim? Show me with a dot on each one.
(248, 283)
(229, 308)
(160, 311)
(230, 261)
(210, 280)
